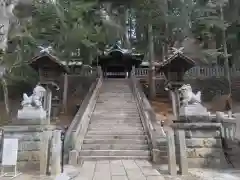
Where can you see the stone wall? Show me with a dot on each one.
(29, 152)
(204, 145)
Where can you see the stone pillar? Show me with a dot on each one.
(183, 161)
(56, 153)
(73, 157)
(172, 164)
(44, 142)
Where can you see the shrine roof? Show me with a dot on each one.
(176, 62)
(180, 56)
(47, 58)
(116, 48)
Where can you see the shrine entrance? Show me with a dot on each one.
(117, 62)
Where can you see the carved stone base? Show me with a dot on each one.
(31, 115)
(193, 110)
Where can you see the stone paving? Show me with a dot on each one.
(119, 170)
(133, 170)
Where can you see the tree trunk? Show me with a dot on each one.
(226, 62)
(151, 72)
(166, 33)
(5, 94)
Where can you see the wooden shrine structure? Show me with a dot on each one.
(51, 70)
(118, 62)
(174, 68)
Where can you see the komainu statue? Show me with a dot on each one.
(187, 97)
(35, 100)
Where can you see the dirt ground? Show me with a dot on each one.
(163, 108)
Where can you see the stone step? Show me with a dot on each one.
(114, 153)
(124, 96)
(115, 92)
(114, 141)
(111, 105)
(95, 158)
(116, 133)
(100, 108)
(115, 118)
(119, 113)
(125, 100)
(133, 137)
(116, 110)
(115, 146)
(114, 128)
(124, 124)
(129, 97)
(114, 115)
(114, 123)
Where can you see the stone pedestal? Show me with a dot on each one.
(193, 110)
(31, 116)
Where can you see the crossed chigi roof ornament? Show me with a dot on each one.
(177, 50)
(45, 49)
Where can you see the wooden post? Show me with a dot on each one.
(65, 92)
(56, 153)
(183, 161)
(177, 103)
(172, 164)
(49, 105)
(44, 141)
(133, 71)
(174, 103)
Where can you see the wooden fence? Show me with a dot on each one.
(202, 72)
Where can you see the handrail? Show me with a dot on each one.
(147, 114)
(75, 126)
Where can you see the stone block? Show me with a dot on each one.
(29, 146)
(24, 166)
(203, 133)
(29, 156)
(24, 136)
(207, 163)
(204, 152)
(156, 155)
(73, 157)
(32, 115)
(203, 143)
(191, 143)
(193, 110)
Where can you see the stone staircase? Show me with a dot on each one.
(115, 130)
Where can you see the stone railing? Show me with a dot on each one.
(203, 72)
(147, 114)
(77, 129)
